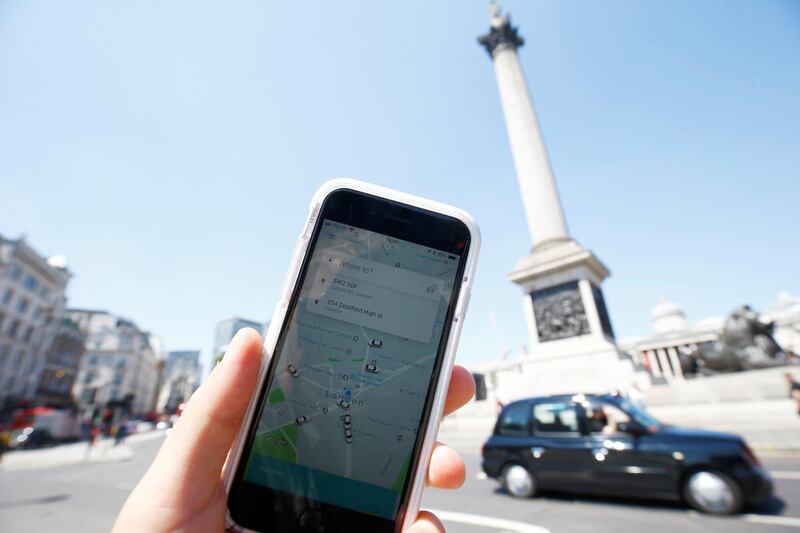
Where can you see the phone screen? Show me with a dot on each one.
(344, 401)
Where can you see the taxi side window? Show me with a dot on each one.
(605, 419)
(555, 418)
(514, 421)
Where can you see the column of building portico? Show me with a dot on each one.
(676, 362)
(655, 365)
(666, 370)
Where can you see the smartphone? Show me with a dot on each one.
(360, 349)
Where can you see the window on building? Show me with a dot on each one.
(514, 421)
(59, 384)
(22, 305)
(17, 358)
(557, 417)
(44, 291)
(46, 382)
(93, 360)
(12, 328)
(2, 319)
(16, 272)
(27, 335)
(4, 349)
(7, 295)
(30, 283)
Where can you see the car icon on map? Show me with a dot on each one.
(372, 367)
(347, 420)
(344, 404)
(376, 343)
(292, 370)
(300, 420)
(348, 435)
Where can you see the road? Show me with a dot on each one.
(86, 497)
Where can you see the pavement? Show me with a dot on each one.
(85, 497)
(104, 451)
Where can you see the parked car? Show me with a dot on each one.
(142, 427)
(603, 444)
(63, 425)
(32, 438)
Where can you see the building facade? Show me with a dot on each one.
(119, 368)
(180, 378)
(785, 314)
(32, 301)
(61, 366)
(225, 331)
(659, 352)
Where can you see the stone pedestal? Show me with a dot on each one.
(572, 340)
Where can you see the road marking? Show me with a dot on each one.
(772, 520)
(481, 476)
(501, 524)
(785, 474)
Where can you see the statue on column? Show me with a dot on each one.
(496, 18)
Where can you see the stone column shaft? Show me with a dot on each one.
(665, 368)
(539, 193)
(676, 362)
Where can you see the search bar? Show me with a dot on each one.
(376, 296)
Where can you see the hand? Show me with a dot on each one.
(183, 491)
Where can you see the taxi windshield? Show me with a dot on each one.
(640, 415)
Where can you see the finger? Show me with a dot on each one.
(460, 391)
(446, 469)
(198, 445)
(427, 523)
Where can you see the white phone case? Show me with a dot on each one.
(279, 316)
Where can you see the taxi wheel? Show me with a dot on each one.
(518, 481)
(713, 492)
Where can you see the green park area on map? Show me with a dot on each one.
(276, 396)
(278, 444)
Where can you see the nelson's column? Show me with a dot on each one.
(573, 346)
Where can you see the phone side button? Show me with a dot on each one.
(462, 307)
(309, 227)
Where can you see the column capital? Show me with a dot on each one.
(501, 34)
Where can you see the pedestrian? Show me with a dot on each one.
(182, 489)
(637, 397)
(794, 390)
(122, 432)
(94, 432)
(5, 441)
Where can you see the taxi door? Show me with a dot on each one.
(626, 460)
(560, 454)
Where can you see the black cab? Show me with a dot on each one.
(603, 444)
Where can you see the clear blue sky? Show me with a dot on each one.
(169, 149)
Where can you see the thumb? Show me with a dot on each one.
(193, 455)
